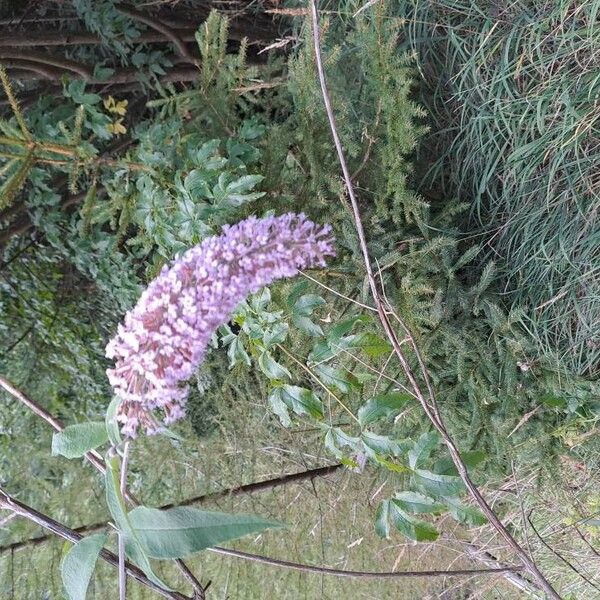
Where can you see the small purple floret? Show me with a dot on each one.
(165, 336)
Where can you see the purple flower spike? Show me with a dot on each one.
(165, 336)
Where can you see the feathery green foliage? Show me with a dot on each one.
(513, 95)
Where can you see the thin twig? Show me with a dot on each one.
(558, 555)
(357, 574)
(317, 380)
(372, 308)
(429, 404)
(123, 485)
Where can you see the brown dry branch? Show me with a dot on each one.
(360, 574)
(155, 24)
(83, 38)
(428, 401)
(43, 58)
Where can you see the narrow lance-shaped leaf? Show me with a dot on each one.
(382, 524)
(271, 368)
(438, 485)
(75, 440)
(181, 531)
(417, 503)
(422, 448)
(78, 565)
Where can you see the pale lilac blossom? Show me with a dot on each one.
(165, 336)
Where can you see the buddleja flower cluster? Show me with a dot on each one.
(165, 336)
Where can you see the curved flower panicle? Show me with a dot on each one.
(165, 336)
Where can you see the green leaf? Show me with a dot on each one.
(237, 353)
(381, 445)
(276, 335)
(335, 377)
(183, 530)
(321, 351)
(77, 566)
(305, 305)
(469, 515)
(554, 401)
(336, 438)
(279, 407)
(305, 324)
(116, 506)
(75, 440)
(390, 465)
(417, 503)
(445, 465)
(382, 524)
(112, 426)
(412, 528)
(438, 485)
(423, 448)
(382, 406)
(271, 368)
(343, 328)
(372, 345)
(302, 401)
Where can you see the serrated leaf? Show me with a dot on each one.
(382, 406)
(469, 515)
(390, 465)
(412, 528)
(321, 352)
(271, 368)
(422, 448)
(382, 523)
(335, 377)
(183, 530)
(414, 502)
(279, 407)
(243, 184)
(374, 346)
(276, 335)
(375, 444)
(75, 440)
(438, 485)
(77, 566)
(302, 401)
(343, 328)
(445, 465)
(237, 353)
(305, 324)
(337, 438)
(305, 305)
